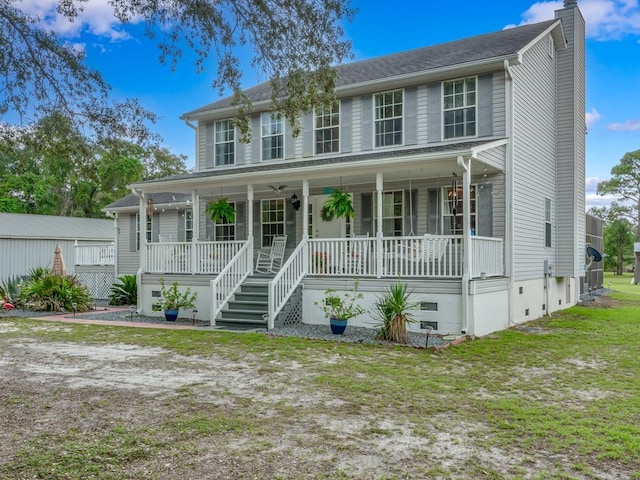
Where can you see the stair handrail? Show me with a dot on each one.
(225, 285)
(287, 280)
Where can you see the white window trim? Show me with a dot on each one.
(442, 137)
(187, 214)
(281, 119)
(404, 123)
(284, 219)
(315, 129)
(228, 224)
(216, 143)
(375, 208)
(547, 222)
(444, 216)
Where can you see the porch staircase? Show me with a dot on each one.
(248, 309)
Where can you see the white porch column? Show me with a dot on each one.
(142, 218)
(195, 224)
(467, 326)
(305, 225)
(379, 233)
(250, 224)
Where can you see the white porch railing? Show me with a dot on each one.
(170, 257)
(487, 257)
(212, 257)
(342, 256)
(95, 254)
(286, 281)
(230, 278)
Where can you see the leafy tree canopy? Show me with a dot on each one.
(293, 42)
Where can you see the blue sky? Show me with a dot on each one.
(129, 62)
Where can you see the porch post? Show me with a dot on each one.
(305, 224)
(195, 225)
(250, 225)
(143, 231)
(467, 328)
(379, 233)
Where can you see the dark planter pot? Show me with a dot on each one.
(171, 315)
(337, 325)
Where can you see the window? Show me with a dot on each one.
(272, 137)
(149, 230)
(188, 225)
(459, 107)
(224, 143)
(272, 213)
(547, 222)
(225, 231)
(392, 213)
(453, 210)
(328, 129)
(388, 118)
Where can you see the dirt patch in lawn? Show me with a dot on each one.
(142, 412)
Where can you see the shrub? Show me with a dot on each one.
(124, 291)
(52, 293)
(10, 289)
(392, 310)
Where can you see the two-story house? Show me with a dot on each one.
(465, 165)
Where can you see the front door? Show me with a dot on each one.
(318, 228)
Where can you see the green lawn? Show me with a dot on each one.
(558, 399)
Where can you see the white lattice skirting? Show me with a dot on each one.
(98, 283)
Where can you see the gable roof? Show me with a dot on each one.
(18, 225)
(502, 44)
(164, 198)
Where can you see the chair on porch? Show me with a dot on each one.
(271, 261)
(434, 248)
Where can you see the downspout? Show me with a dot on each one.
(467, 328)
(116, 230)
(143, 245)
(195, 142)
(509, 215)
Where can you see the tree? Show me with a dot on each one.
(625, 183)
(618, 239)
(294, 43)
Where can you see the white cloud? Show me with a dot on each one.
(605, 19)
(592, 117)
(96, 18)
(628, 126)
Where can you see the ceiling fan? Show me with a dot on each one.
(279, 189)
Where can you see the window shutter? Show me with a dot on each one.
(241, 231)
(257, 224)
(434, 113)
(290, 224)
(182, 237)
(288, 140)
(307, 135)
(433, 209)
(410, 214)
(133, 238)
(155, 227)
(485, 100)
(346, 126)
(208, 225)
(411, 116)
(366, 219)
(484, 199)
(256, 140)
(209, 147)
(367, 122)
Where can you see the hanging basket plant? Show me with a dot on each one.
(338, 205)
(221, 211)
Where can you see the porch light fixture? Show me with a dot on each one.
(295, 202)
(149, 207)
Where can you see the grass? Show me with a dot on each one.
(566, 396)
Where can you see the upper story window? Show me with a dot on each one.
(328, 129)
(224, 143)
(459, 107)
(272, 136)
(388, 118)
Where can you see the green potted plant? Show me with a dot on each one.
(338, 205)
(340, 308)
(172, 300)
(221, 211)
(393, 312)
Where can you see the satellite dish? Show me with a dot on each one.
(594, 254)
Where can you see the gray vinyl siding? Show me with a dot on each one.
(434, 112)
(485, 105)
(128, 259)
(422, 115)
(494, 157)
(570, 223)
(534, 123)
(346, 125)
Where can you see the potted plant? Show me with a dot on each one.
(172, 300)
(338, 205)
(392, 311)
(340, 308)
(221, 211)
